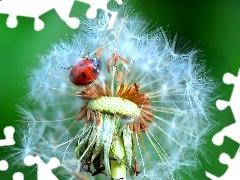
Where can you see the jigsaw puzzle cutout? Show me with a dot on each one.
(232, 131)
(36, 8)
(233, 172)
(18, 176)
(44, 170)
(8, 141)
(3, 165)
(8, 132)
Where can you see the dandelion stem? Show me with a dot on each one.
(118, 170)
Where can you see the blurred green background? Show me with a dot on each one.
(212, 26)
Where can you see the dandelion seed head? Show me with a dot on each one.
(152, 97)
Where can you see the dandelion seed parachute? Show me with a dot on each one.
(169, 89)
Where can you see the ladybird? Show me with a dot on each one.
(85, 71)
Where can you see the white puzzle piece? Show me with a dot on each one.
(36, 8)
(232, 131)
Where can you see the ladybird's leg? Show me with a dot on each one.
(80, 52)
(67, 67)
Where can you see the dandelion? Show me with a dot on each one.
(144, 116)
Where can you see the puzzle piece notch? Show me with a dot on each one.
(235, 97)
(233, 172)
(100, 4)
(12, 22)
(231, 131)
(221, 104)
(227, 79)
(44, 170)
(8, 132)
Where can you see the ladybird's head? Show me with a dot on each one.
(96, 62)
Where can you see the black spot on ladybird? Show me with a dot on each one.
(81, 64)
(84, 75)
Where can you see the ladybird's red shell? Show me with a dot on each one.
(84, 73)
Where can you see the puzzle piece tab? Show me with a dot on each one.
(18, 176)
(3, 165)
(36, 8)
(44, 171)
(8, 132)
